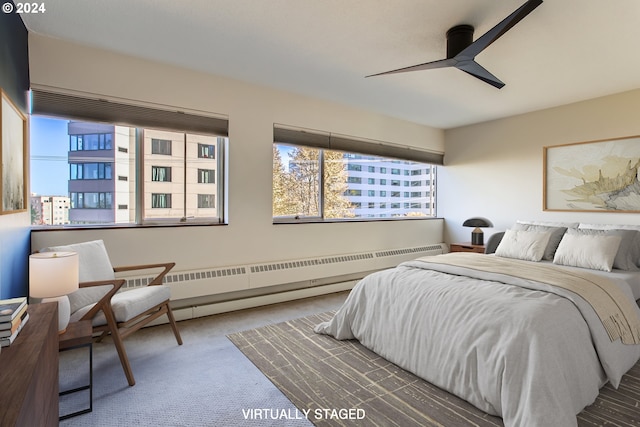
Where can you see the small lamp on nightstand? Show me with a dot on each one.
(52, 276)
(477, 236)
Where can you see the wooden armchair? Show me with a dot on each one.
(112, 312)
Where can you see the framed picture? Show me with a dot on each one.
(13, 141)
(593, 176)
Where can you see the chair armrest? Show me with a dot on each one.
(158, 279)
(105, 301)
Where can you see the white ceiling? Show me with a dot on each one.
(564, 51)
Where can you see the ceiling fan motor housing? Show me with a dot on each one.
(458, 38)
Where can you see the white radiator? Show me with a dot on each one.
(306, 272)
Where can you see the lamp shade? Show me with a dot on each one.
(477, 222)
(53, 274)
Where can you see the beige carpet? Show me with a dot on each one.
(335, 383)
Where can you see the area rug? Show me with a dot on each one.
(341, 383)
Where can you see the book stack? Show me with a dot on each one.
(13, 316)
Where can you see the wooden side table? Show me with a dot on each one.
(466, 247)
(29, 371)
(78, 335)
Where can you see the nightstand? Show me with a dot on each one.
(466, 247)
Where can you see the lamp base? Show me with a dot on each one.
(64, 311)
(477, 237)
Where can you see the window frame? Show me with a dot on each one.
(358, 192)
(78, 106)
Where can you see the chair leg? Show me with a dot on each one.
(174, 326)
(117, 341)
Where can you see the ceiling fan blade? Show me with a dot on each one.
(442, 63)
(478, 71)
(493, 34)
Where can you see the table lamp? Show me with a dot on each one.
(477, 236)
(52, 276)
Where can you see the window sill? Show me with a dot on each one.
(333, 221)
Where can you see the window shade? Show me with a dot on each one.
(330, 141)
(91, 109)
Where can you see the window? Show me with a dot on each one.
(90, 171)
(206, 201)
(322, 176)
(160, 200)
(161, 173)
(89, 142)
(345, 191)
(206, 151)
(206, 176)
(161, 177)
(161, 146)
(91, 200)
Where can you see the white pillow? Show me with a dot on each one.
(596, 252)
(94, 265)
(523, 244)
(630, 250)
(93, 258)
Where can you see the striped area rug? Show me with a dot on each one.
(341, 383)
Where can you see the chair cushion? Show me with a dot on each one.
(93, 258)
(128, 304)
(94, 265)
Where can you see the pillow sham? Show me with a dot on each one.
(554, 239)
(523, 244)
(634, 247)
(579, 249)
(629, 250)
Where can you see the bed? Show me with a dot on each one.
(530, 333)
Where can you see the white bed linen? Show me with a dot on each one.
(631, 278)
(533, 357)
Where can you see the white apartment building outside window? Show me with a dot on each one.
(107, 183)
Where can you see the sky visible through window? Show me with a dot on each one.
(49, 165)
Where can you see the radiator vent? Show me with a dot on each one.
(309, 262)
(187, 276)
(206, 274)
(408, 251)
(210, 281)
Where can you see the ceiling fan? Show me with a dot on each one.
(462, 50)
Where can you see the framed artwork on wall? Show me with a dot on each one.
(13, 141)
(593, 176)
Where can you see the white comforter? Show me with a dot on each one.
(533, 354)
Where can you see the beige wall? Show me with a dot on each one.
(494, 169)
(250, 236)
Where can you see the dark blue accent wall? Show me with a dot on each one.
(14, 228)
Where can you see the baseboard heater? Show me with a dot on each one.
(207, 291)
